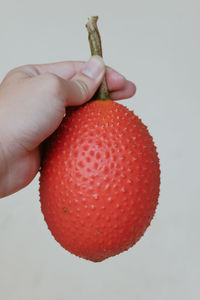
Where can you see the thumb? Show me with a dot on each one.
(83, 85)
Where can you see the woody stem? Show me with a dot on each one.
(96, 49)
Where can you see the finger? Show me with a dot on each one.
(127, 92)
(84, 84)
(114, 79)
(68, 69)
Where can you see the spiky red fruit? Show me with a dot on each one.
(99, 182)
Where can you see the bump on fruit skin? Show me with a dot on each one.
(99, 182)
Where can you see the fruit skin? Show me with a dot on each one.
(100, 179)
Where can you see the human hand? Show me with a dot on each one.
(32, 105)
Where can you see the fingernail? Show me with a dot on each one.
(94, 68)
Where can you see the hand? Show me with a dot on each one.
(32, 105)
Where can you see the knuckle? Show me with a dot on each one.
(83, 88)
(9, 76)
(11, 72)
(24, 70)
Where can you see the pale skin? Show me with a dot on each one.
(33, 99)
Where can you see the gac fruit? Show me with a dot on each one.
(99, 182)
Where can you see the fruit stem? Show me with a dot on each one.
(96, 49)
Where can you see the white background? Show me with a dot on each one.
(157, 45)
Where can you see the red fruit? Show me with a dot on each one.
(100, 178)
